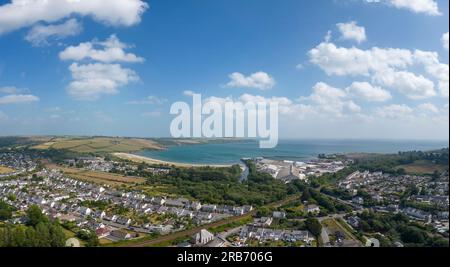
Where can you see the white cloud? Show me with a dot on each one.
(24, 13)
(437, 70)
(111, 50)
(444, 40)
(150, 100)
(18, 99)
(428, 108)
(93, 80)
(188, 93)
(394, 111)
(353, 61)
(351, 31)
(411, 85)
(10, 90)
(40, 34)
(331, 100)
(258, 80)
(429, 7)
(391, 68)
(368, 92)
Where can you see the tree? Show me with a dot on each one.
(57, 236)
(314, 226)
(5, 211)
(306, 195)
(89, 237)
(43, 235)
(412, 235)
(263, 212)
(35, 216)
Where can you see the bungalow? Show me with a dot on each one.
(247, 208)
(202, 238)
(312, 209)
(99, 214)
(102, 232)
(238, 211)
(158, 201)
(174, 203)
(353, 221)
(85, 211)
(120, 235)
(194, 206)
(418, 214)
(262, 222)
(279, 215)
(209, 208)
(358, 200)
(67, 218)
(123, 221)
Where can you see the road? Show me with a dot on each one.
(245, 172)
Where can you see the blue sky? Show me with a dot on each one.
(341, 69)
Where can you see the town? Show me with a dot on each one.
(327, 215)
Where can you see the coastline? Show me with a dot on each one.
(138, 159)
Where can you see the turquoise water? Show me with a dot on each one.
(229, 153)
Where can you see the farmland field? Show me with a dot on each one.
(423, 167)
(99, 144)
(99, 177)
(5, 170)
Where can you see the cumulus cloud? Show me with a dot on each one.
(444, 40)
(258, 80)
(436, 69)
(110, 50)
(332, 100)
(10, 90)
(428, 7)
(18, 99)
(40, 34)
(188, 93)
(90, 81)
(394, 111)
(428, 108)
(368, 92)
(389, 67)
(25, 13)
(343, 61)
(351, 31)
(411, 85)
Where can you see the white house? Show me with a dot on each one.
(202, 238)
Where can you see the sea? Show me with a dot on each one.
(295, 150)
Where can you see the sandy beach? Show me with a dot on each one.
(136, 158)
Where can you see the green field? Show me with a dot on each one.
(99, 144)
